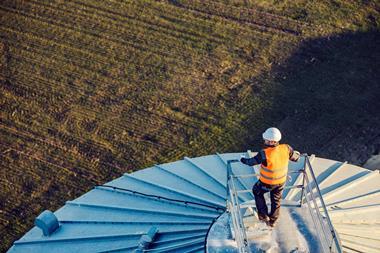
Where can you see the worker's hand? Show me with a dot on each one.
(295, 156)
(243, 160)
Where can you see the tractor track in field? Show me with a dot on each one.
(249, 16)
(111, 31)
(117, 27)
(93, 35)
(81, 62)
(131, 125)
(48, 83)
(85, 166)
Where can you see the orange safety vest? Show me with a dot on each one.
(277, 165)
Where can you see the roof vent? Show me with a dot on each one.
(47, 222)
(146, 240)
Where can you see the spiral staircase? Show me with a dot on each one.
(172, 207)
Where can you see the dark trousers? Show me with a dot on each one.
(275, 197)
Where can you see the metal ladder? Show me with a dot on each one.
(310, 195)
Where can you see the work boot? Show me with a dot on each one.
(263, 218)
(271, 222)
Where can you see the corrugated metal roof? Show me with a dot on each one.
(192, 194)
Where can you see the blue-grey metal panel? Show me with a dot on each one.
(186, 169)
(134, 214)
(155, 176)
(107, 196)
(147, 187)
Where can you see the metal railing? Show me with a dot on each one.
(233, 207)
(310, 195)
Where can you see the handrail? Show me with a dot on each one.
(229, 173)
(240, 223)
(318, 222)
(233, 207)
(334, 237)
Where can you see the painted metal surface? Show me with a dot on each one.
(192, 194)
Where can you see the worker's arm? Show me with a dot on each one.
(257, 159)
(294, 155)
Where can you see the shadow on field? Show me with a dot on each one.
(327, 98)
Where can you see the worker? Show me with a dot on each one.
(273, 160)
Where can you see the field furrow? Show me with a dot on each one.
(73, 31)
(50, 151)
(29, 80)
(264, 21)
(119, 22)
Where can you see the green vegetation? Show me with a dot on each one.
(91, 89)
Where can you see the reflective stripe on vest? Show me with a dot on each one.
(277, 159)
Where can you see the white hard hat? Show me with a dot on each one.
(272, 134)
